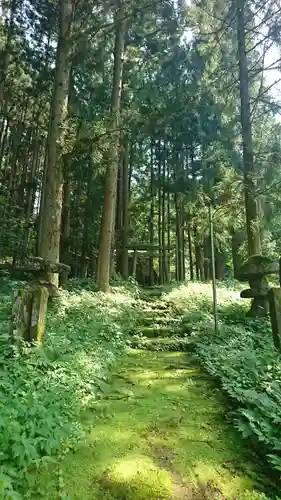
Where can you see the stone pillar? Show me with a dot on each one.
(29, 314)
(40, 297)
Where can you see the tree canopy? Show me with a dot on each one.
(121, 122)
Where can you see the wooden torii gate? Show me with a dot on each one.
(150, 250)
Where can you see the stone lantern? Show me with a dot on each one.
(255, 270)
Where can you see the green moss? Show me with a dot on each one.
(259, 264)
(159, 434)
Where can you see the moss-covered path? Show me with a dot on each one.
(159, 433)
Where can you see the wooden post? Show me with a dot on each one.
(274, 298)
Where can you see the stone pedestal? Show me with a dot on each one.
(30, 303)
(29, 314)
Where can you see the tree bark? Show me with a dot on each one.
(169, 222)
(159, 213)
(118, 214)
(237, 240)
(87, 220)
(125, 209)
(164, 222)
(182, 217)
(219, 265)
(207, 260)
(65, 219)
(198, 256)
(5, 57)
(252, 215)
(107, 223)
(49, 246)
(151, 218)
(3, 138)
(78, 230)
(30, 193)
(191, 269)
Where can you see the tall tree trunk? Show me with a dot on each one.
(65, 219)
(189, 237)
(182, 217)
(5, 59)
(107, 223)
(160, 222)
(151, 217)
(3, 138)
(163, 229)
(169, 222)
(66, 201)
(41, 204)
(131, 163)
(197, 259)
(206, 253)
(51, 216)
(125, 209)
(118, 212)
(179, 272)
(219, 265)
(30, 193)
(87, 220)
(252, 215)
(237, 240)
(78, 230)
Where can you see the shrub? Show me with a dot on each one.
(44, 390)
(242, 356)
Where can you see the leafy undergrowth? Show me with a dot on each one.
(242, 356)
(44, 391)
(154, 430)
(159, 434)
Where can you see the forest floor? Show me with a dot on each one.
(135, 397)
(160, 431)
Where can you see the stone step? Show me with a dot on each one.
(160, 310)
(164, 344)
(162, 306)
(156, 315)
(154, 331)
(160, 320)
(151, 294)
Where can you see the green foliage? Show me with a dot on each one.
(44, 390)
(50, 396)
(243, 358)
(159, 430)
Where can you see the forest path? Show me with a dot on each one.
(159, 433)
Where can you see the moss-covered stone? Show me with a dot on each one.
(159, 433)
(21, 314)
(258, 265)
(255, 269)
(38, 314)
(29, 313)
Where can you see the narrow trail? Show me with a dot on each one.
(160, 432)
